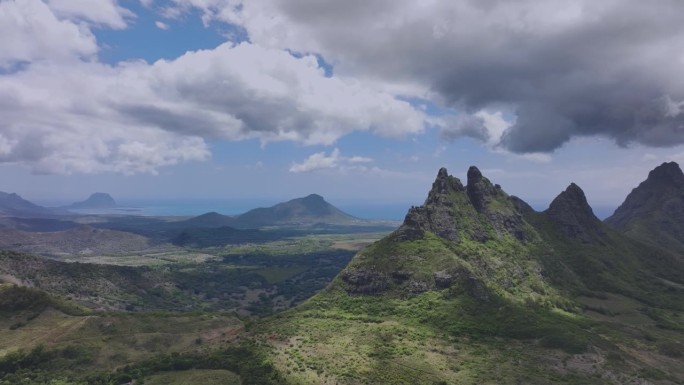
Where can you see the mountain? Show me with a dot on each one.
(95, 201)
(15, 206)
(212, 219)
(308, 210)
(476, 287)
(654, 211)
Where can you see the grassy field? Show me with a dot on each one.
(305, 244)
(119, 339)
(195, 377)
(335, 339)
(145, 259)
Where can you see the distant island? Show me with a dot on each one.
(95, 201)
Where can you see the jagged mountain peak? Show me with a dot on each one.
(668, 172)
(571, 211)
(474, 174)
(480, 190)
(443, 184)
(455, 212)
(574, 195)
(654, 210)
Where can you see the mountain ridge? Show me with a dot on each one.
(12, 204)
(475, 264)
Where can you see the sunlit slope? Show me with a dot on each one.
(476, 287)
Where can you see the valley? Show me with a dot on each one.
(473, 287)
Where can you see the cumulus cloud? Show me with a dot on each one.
(106, 13)
(565, 69)
(85, 116)
(322, 161)
(31, 32)
(161, 25)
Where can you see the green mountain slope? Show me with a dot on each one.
(475, 287)
(654, 211)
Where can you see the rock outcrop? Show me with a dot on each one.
(572, 213)
(479, 211)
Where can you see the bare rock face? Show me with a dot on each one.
(480, 190)
(443, 279)
(575, 217)
(365, 281)
(437, 214)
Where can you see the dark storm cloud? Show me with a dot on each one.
(566, 69)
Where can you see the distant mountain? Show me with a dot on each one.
(15, 206)
(96, 201)
(654, 210)
(474, 272)
(308, 210)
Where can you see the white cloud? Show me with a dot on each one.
(162, 25)
(321, 161)
(101, 12)
(134, 117)
(30, 32)
(317, 161)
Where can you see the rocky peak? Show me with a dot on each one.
(453, 211)
(571, 211)
(654, 210)
(442, 186)
(666, 173)
(479, 189)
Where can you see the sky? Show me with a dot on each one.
(359, 101)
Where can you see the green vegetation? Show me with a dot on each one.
(69, 366)
(475, 287)
(194, 377)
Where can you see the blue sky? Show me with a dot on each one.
(362, 103)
